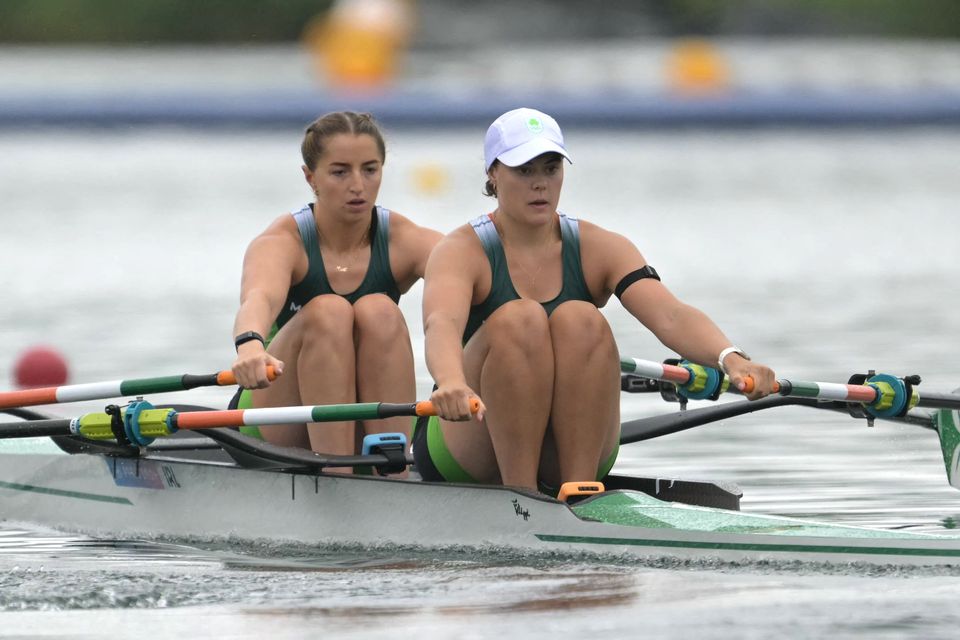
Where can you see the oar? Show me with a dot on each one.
(878, 390)
(118, 388)
(139, 422)
(881, 394)
(884, 396)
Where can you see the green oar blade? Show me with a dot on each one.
(948, 427)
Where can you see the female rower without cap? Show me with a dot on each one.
(511, 316)
(322, 285)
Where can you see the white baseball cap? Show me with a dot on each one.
(521, 135)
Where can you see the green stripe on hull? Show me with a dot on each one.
(64, 494)
(633, 509)
(751, 546)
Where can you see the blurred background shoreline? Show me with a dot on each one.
(431, 63)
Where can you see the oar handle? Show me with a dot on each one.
(226, 378)
(749, 385)
(426, 408)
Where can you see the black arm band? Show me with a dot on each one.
(247, 337)
(644, 272)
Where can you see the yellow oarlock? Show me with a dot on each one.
(94, 426)
(151, 423)
(154, 423)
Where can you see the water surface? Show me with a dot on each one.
(821, 253)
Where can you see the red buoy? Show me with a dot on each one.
(40, 367)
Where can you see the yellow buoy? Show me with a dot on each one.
(430, 179)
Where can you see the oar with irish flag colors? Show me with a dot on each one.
(878, 395)
(882, 395)
(117, 389)
(140, 422)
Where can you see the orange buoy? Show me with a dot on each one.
(357, 44)
(40, 366)
(696, 67)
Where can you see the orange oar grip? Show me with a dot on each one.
(226, 378)
(426, 408)
(748, 385)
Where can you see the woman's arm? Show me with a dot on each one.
(681, 327)
(268, 268)
(448, 292)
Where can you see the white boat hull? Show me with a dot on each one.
(166, 498)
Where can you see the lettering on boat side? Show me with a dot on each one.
(669, 486)
(170, 477)
(134, 473)
(520, 511)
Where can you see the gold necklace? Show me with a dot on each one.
(348, 264)
(531, 276)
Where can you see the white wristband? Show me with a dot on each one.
(725, 353)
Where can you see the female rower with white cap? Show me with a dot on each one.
(511, 316)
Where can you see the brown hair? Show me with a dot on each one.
(331, 124)
(489, 189)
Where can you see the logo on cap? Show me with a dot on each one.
(534, 125)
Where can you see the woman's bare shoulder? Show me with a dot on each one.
(593, 234)
(459, 245)
(401, 225)
(283, 223)
(282, 232)
(462, 237)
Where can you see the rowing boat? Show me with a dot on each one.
(224, 485)
(194, 493)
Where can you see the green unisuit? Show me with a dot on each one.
(502, 290)
(378, 279)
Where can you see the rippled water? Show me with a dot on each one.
(821, 253)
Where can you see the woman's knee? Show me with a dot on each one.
(327, 316)
(519, 324)
(580, 323)
(377, 317)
